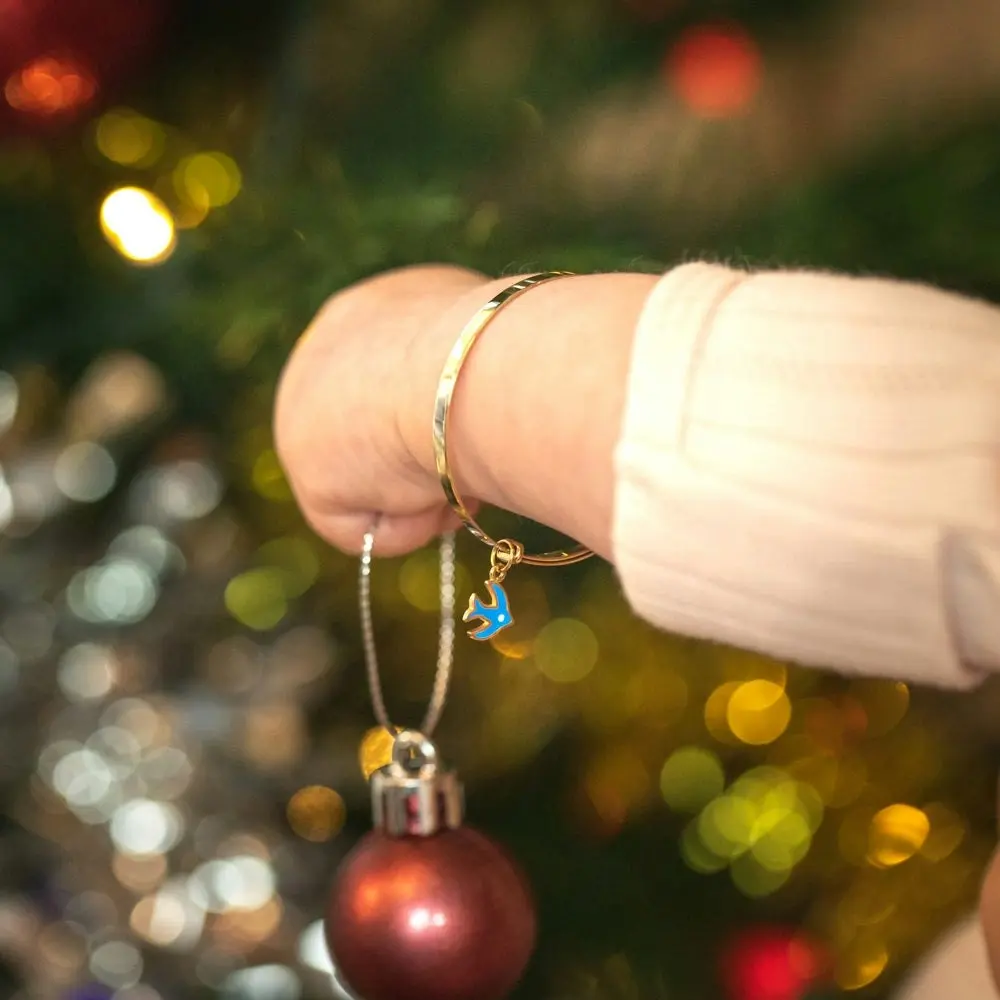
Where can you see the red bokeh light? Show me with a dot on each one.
(716, 69)
(772, 964)
(50, 85)
(58, 56)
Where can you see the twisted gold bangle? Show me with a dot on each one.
(506, 553)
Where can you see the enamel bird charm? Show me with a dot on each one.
(495, 616)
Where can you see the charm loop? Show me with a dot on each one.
(506, 554)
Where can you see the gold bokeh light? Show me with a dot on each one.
(138, 225)
(316, 813)
(758, 712)
(128, 138)
(208, 180)
(897, 833)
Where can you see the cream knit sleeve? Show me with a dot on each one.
(809, 466)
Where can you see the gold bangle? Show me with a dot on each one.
(506, 552)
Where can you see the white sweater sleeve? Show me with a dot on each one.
(809, 466)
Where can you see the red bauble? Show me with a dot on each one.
(444, 917)
(57, 57)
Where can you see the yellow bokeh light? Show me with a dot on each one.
(420, 580)
(138, 225)
(697, 854)
(755, 880)
(726, 826)
(269, 478)
(128, 138)
(691, 777)
(781, 839)
(296, 559)
(896, 834)
(375, 751)
(768, 815)
(566, 650)
(716, 711)
(758, 712)
(860, 964)
(208, 180)
(316, 813)
(772, 790)
(946, 834)
(257, 598)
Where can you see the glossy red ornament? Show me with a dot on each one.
(441, 917)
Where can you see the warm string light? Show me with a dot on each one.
(50, 86)
(140, 223)
(715, 69)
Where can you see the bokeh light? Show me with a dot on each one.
(691, 777)
(85, 472)
(142, 827)
(861, 962)
(755, 880)
(316, 813)
(49, 86)
(715, 69)
(208, 180)
(947, 831)
(418, 580)
(758, 712)
(169, 918)
(138, 225)
(566, 650)
(257, 598)
(766, 821)
(269, 478)
(772, 963)
(296, 559)
(87, 671)
(129, 138)
(717, 711)
(898, 832)
(697, 855)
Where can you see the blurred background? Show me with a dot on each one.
(184, 728)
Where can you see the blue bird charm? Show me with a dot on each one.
(495, 617)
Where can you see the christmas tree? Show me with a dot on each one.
(185, 723)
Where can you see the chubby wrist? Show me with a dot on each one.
(537, 408)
